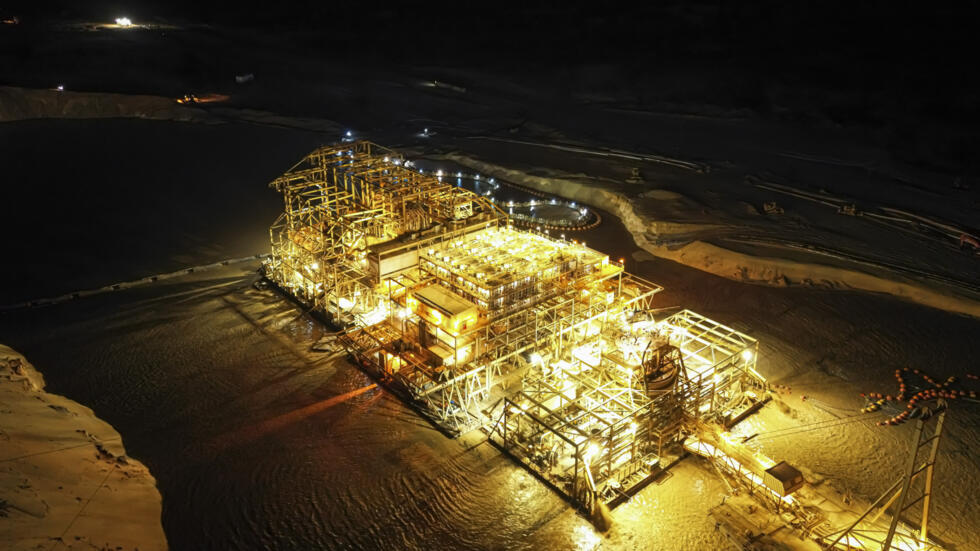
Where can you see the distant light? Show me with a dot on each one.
(349, 134)
(477, 176)
(747, 355)
(315, 266)
(124, 22)
(459, 174)
(60, 88)
(536, 358)
(491, 180)
(439, 173)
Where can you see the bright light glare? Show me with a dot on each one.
(536, 358)
(586, 538)
(344, 304)
(124, 21)
(747, 355)
(590, 452)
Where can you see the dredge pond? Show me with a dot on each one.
(257, 441)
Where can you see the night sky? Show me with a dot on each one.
(903, 69)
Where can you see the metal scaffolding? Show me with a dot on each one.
(340, 201)
(544, 343)
(596, 421)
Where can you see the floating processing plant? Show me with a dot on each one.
(544, 343)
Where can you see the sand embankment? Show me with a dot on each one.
(31, 103)
(724, 262)
(65, 480)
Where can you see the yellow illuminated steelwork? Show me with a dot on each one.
(543, 342)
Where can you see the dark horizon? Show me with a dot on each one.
(903, 71)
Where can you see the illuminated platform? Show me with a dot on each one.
(543, 343)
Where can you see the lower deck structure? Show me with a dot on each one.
(600, 419)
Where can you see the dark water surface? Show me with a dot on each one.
(92, 202)
(256, 442)
(259, 443)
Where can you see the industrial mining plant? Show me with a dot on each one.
(543, 343)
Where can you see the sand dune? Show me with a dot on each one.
(65, 479)
(28, 103)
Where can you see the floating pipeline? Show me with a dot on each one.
(924, 403)
(536, 193)
(67, 297)
(525, 189)
(533, 223)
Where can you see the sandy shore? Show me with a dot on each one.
(31, 103)
(65, 480)
(27, 103)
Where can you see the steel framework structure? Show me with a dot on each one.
(596, 421)
(864, 530)
(542, 342)
(341, 200)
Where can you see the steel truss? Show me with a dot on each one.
(542, 342)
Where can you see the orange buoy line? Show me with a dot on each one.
(924, 402)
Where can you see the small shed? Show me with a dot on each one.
(783, 478)
(445, 308)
